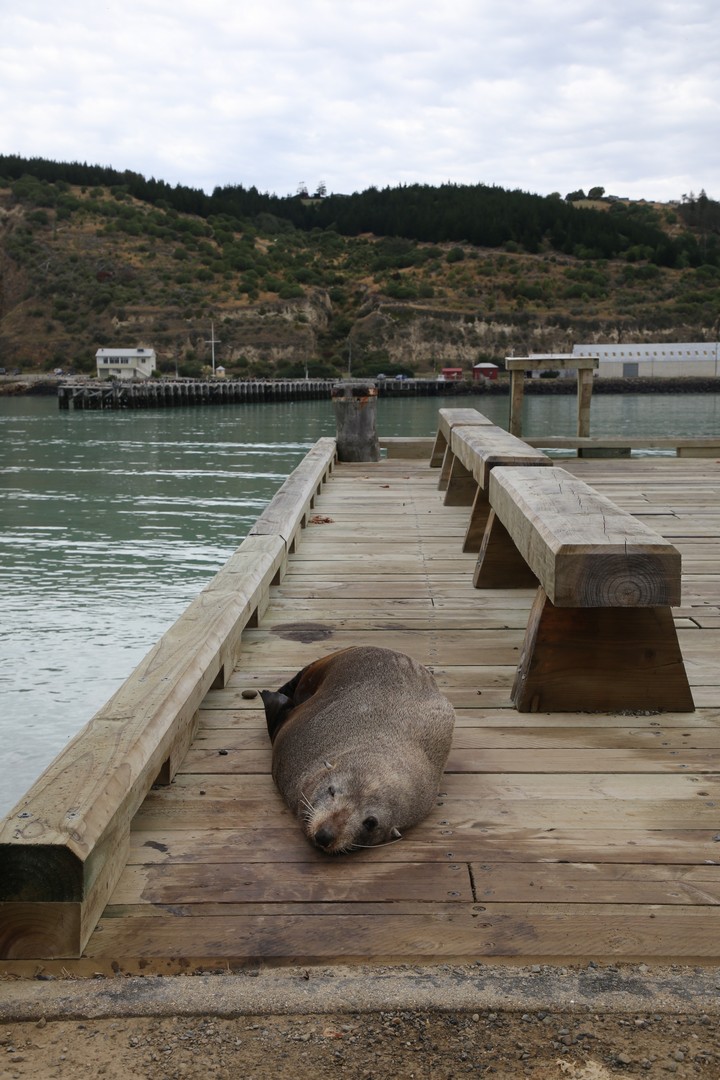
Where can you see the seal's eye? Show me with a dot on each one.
(370, 824)
(331, 790)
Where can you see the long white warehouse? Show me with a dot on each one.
(666, 359)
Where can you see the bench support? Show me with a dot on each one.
(617, 658)
(461, 484)
(478, 520)
(447, 420)
(500, 565)
(445, 466)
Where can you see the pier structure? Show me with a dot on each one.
(581, 829)
(172, 393)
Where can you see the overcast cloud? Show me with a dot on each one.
(535, 94)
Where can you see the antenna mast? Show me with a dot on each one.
(212, 341)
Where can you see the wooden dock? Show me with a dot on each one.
(557, 837)
(167, 393)
(84, 394)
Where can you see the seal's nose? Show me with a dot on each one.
(324, 837)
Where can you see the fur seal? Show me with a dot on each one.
(360, 739)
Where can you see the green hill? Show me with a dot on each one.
(405, 279)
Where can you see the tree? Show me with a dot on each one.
(596, 192)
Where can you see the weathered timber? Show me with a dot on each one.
(447, 420)
(474, 452)
(583, 548)
(62, 848)
(600, 659)
(600, 631)
(355, 408)
(500, 565)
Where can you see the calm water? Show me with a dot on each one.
(111, 522)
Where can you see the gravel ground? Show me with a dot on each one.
(540, 1022)
(435, 1045)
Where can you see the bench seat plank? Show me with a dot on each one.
(475, 452)
(584, 550)
(448, 419)
(480, 450)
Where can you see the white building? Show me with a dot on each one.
(125, 363)
(665, 359)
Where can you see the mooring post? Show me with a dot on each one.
(355, 405)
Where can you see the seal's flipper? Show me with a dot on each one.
(288, 689)
(277, 706)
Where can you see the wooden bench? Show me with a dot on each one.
(474, 452)
(601, 635)
(448, 420)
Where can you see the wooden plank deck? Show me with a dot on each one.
(556, 838)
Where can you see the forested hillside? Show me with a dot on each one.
(408, 278)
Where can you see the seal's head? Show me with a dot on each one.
(340, 812)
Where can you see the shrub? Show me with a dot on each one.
(288, 291)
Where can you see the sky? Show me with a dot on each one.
(542, 95)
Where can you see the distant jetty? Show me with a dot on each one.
(174, 393)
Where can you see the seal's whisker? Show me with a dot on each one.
(386, 844)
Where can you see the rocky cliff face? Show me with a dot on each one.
(429, 339)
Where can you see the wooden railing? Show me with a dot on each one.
(63, 847)
(622, 445)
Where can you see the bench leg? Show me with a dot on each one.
(478, 521)
(600, 660)
(461, 485)
(500, 565)
(438, 453)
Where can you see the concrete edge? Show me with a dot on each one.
(288, 991)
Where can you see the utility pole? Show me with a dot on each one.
(212, 341)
